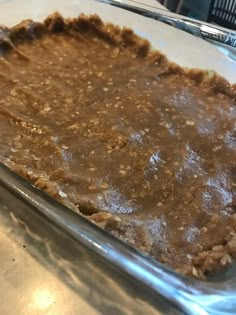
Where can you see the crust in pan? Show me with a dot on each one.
(112, 129)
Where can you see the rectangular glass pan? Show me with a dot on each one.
(186, 295)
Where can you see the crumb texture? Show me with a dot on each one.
(113, 130)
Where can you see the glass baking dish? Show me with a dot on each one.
(189, 296)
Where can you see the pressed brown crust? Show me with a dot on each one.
(167, 193)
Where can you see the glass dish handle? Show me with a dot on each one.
(198, 28)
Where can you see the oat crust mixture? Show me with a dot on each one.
(113, 130)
